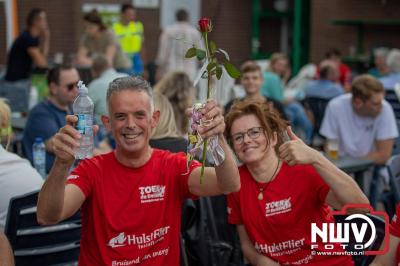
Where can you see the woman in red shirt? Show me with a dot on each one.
(285, 186)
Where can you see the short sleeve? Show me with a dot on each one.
(30, 42)
(43, 125)
(178, 164)
(387, 127)
(110, 39)
(319, 187)
(81, 178)
(234, 213)
(272, 87)
(329, 126)
(39, 124)
(141, 28)
(395, 224)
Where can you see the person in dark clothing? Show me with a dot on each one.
(252, 80)
(30, 48)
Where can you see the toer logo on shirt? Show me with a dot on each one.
(151, 193)
(278, 207)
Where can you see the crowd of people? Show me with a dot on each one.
(276, 181)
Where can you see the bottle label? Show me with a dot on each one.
(84, 124)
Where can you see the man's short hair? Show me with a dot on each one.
(125, 7)
(32, 16)
(132, 83)
(325, 68)
(54, 73)
(250, 66)
(100, 64)
(364, 86)
(333, 52)
(182, 15)
(393, 60)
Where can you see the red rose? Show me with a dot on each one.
(205, 25)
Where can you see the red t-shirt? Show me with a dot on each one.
(279, 226)
(395, 230)
(132, 216)
(345, 74)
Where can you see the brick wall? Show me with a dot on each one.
(232, 21)
(324, 35)
(65, 20)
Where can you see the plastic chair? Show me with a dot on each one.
(391, 97)
(41, 245)
(392, 197)
(396, 146)
(380, 235)
(317, 107)
(17, 94)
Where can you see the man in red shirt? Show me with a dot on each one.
(131, 198)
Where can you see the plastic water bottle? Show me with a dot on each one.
(39, 156)
(83, 108)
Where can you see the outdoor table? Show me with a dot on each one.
(355, 166)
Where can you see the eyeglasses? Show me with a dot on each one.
(253, 133)
(71, 86)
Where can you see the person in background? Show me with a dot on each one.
(252, 79)
(285, 186)
(362, 121)
(6, 253)
(103, 73)
(273, 89)
(131, 198)
(48, 116)
(344, 70)
(17, 176)
(174, 41)
(165, 135)
(393, 62)
(325, 87)
(380, 68)
(130, 34)
(179, 90)
(273, 83)
(97, 39)
(30, 48)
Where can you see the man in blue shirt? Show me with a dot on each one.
(47, 117)
(325, 87)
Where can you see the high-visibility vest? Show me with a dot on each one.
(130, 36)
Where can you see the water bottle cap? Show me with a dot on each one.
(38, 139)
(82, 87)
